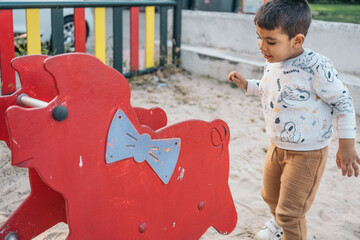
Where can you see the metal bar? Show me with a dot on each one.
(163, 35)
(8, 80)
(118, 38)
(73, 4)
(57, 30)
(177, 34)
(24, 99)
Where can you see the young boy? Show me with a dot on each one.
(301, 93)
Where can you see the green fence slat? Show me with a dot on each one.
(140, 72)
(177, 33)
(57, 30)
(163, 35)
(118, 38)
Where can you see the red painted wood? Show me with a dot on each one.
(155, 118)
(35, 82)
(7, 52)
(127, 199)
(44, 207)
(80, 30)
(134, 38)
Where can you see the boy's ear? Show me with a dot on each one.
(298, 40)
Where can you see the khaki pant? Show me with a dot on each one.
(290, 182)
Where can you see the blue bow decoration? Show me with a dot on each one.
(124, 142)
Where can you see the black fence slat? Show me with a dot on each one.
(177, 33)
(57, 31)
(118, 38)
(141, 72)
(163, 35)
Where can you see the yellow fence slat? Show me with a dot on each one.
(33, 31)
(149, 36)
(100, 49)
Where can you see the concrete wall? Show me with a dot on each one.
(215, 43)
(235, 34)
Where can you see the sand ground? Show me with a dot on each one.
(334, 214)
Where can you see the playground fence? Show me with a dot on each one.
(7, 47)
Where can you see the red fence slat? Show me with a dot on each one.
(134, 38)
(80, 30)
(7, 52)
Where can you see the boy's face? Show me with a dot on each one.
(276, 45)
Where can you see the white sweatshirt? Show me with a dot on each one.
(300, 97)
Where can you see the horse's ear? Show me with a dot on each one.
(78, 73)
(35, 81)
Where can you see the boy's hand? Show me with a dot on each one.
(238, 80)
(347, 159)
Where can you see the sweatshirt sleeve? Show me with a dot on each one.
(330, 89)
(253, 87)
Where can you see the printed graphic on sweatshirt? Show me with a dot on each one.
(289, 133)
(264, 98)
(293, 96)
(291, 71)
(328, 132)
(296, 103)
(327, 70)
(307, 62)
(343, 105)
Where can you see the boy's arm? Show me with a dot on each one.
(346, 158)
(330, 89)
(251, 87)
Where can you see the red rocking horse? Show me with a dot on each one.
(107, 169)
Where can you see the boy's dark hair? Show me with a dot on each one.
(292, 16)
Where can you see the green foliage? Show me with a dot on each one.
(335, 1)
(336, 12)
(21, 48)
